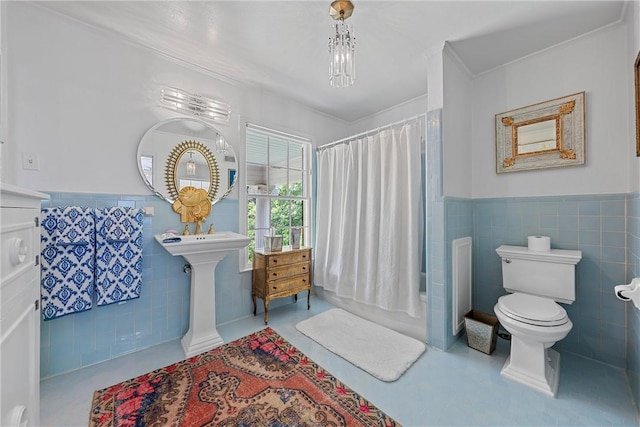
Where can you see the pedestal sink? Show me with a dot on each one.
(204, 252)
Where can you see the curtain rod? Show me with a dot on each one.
(378, 129)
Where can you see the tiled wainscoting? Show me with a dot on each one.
(162, 311)
(633, 315)
(594, 224)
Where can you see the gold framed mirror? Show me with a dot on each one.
(544, 135)
(192, 164)
(636, 72)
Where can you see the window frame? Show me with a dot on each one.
(307, 190)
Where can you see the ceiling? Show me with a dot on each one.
(282, 46)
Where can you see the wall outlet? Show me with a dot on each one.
(30, 161)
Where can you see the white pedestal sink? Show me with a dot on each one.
(204, 252)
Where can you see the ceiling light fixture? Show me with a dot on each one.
(198, 105)
(342, 46)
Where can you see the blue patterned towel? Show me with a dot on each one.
(67, 243)
(118, 254)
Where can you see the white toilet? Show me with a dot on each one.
(530, 313)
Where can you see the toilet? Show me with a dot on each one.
(537, 281)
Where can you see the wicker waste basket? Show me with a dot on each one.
(482, 331)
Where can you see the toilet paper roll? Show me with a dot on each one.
(539, 243)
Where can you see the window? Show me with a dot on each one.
(278, 183)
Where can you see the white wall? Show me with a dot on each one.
(81, 99)
(632, 19)
(456, 128)
(390, 115)
(598, 64)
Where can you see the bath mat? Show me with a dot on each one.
(380, 351)
(258, 380)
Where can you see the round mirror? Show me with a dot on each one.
(182, 152)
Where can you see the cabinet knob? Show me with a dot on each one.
(19, 416)
(275, 274)
(17, 251)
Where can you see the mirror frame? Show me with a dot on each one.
(167, 165)
(171, 167)
(636, 71)
(569, 114)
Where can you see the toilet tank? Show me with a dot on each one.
(548, 274)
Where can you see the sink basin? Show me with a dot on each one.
(203, 252)
(193, 245)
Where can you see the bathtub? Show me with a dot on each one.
(401, 322)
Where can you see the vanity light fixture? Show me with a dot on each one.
(221, 145)
(342, 46)
(191, 165)
(198, 105)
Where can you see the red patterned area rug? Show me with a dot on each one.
(258, 380)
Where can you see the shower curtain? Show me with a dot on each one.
(369, 219)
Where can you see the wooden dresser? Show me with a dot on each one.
(280, 274)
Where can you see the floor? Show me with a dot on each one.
(459, 387)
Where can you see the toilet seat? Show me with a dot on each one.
(532, 310)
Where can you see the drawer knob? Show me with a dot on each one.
(275, 261)
(304, 268)
(275, 274)
(17, 251)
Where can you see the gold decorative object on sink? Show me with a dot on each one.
(192, 205)
(545, 135)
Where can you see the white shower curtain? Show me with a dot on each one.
(369, 219)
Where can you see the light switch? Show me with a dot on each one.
(30, 161)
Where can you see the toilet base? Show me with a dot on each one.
(542, 375)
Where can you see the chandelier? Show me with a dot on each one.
(191, 165)
(342, 46)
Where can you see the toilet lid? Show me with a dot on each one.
(533, 310)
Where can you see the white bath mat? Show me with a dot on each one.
(380, 351)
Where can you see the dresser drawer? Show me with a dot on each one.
(287, 271)
(286, 258)
(287, 284)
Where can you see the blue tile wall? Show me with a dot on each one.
(594, 224)
(162, 311)
(633, 315)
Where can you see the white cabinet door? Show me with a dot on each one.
(19, 316)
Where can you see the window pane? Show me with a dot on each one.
(297, 213)
(251, 246)
(295, 156)
(261, 213)
(256, 179)
(280, 214)
(278, 152)
(278, 180)
(295, 183)
(259, 238)
(257, 148)
(251, 214)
